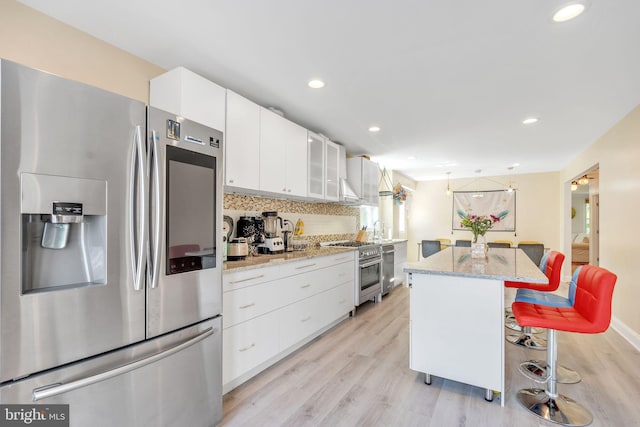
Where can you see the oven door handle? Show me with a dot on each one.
(369, 264)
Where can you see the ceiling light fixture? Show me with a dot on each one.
(583, 180)
(448, 192)
(315, 84)
(574, 186)
(530, 121)
(569, 11)
(374, 129)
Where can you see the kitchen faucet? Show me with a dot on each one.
(375, 224)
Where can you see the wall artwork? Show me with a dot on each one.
(485, 203)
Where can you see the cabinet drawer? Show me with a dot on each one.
(299, 320)
(252, 301)
(249, 344)
(239, 279)
(301, 286)
(338, 302)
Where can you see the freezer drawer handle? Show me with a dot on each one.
(56, 389)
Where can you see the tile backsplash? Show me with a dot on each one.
(323, 222)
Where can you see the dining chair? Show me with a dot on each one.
(444, 242)
(430, 247)
(463, 243)
(498, 245)
(533, 250)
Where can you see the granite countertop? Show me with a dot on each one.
(501, 264)
(263, 260)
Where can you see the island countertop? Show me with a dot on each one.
(500, 264)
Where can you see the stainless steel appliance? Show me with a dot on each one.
(369, 272)
(273, 243)
(388, 275)
(110, 277)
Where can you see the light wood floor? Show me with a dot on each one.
(357, 374)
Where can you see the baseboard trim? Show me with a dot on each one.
(626, 332)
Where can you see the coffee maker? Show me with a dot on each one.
(272, 243)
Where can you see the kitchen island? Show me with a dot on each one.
(457, 314)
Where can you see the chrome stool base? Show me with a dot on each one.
(511, 323)
(561, 409)
(528, 341)
(537, 371)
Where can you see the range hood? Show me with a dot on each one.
(347, 195)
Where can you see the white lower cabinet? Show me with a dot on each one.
(249, 344)
(269, 312)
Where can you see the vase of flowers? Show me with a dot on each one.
(479, 225)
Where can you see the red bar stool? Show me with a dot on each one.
(590, 314)
(552, 270)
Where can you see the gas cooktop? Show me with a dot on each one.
(353, 244)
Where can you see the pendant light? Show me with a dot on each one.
(448, 192)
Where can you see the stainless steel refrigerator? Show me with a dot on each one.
(110, 273)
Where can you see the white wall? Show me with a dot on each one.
(617, 152)
(537, 215)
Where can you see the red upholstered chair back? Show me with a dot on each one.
(594, 293)
(553, 270)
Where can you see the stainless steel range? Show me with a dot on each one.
(369, 272)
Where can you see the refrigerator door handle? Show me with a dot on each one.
(154, 174)
(58, 388)
(136, 205)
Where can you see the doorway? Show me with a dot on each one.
(585, 219)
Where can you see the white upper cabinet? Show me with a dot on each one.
(364, 177)
(324, 168)
(283, 155)
(185, 93)
(332, 171)
(242, 148)
(316, 166)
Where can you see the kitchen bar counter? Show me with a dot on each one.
(501, 264)
(457, 314)
(263, 260)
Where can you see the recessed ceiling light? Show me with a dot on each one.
(568, 12)
(411, 158)
(530, 121)
(374, 129)
(515, 165)
(315, 84)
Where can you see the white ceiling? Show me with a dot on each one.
(449, 82)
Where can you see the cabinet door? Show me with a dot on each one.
(242, 148)
(400, 259)
(332, 171)
(273, 157)
(296, 159)
(372, 182)
(316, 155)
(185, 93)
